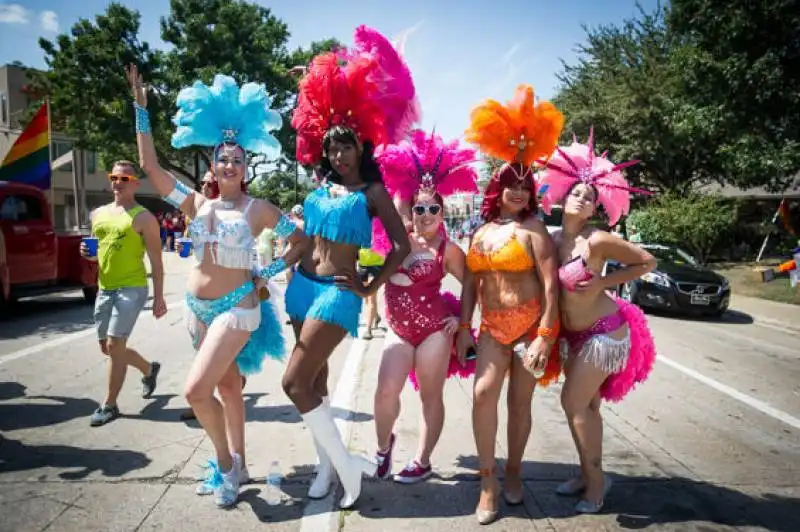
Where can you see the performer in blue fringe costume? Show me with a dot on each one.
(227, 319)
(349, 103)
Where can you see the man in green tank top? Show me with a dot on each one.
(125, 231)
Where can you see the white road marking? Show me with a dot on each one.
(64, 339)
(322, 514)
(750, 401)
(777, 326)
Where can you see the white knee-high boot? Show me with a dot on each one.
(325, 473)
(348, 467)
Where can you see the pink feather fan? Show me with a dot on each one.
(578, 163)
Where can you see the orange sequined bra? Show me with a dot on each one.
(511, 257)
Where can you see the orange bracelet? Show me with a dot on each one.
(465, 326)
(548, 333)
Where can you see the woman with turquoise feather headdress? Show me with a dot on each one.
(232, 329)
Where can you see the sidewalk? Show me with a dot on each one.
(768, 313)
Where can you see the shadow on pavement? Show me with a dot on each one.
(296, 504)
(17, 456)
(287, 413)
(731, 317)
(47, 316)
(39, 410)
(635, 501)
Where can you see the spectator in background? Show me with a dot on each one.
(160, 219)
(168, 230)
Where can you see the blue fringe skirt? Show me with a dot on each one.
(318, 298)
(263, 321)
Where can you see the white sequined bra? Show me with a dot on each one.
(226, 233)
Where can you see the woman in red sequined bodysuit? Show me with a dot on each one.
(422, 325)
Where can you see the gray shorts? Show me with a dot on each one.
(116, 311)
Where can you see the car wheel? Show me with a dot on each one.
(5, 307)
(718, 313)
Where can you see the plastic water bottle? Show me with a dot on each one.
(274, 494)
(521, 350)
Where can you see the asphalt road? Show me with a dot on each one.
(710, 442)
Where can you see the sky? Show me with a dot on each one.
(459, 52)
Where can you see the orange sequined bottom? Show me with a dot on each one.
(507, 325)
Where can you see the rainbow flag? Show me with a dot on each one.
(28, 161)
(785, 216)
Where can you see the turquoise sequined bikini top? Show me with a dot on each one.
(343, 219)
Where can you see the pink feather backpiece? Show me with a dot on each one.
(398, 96)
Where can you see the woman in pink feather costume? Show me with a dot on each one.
(422, 320)
(605, 342)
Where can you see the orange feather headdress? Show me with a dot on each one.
(519, 132)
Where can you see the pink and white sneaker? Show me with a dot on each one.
(413, 473)
(384, 460)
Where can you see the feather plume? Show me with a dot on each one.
(224, 112)
(519, 132)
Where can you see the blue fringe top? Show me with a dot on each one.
(343, 219)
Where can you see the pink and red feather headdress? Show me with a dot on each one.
(578, 163)
(368, 89)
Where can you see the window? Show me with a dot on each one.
(3, 108)
(91, 162)
(62, 147)
(21, 208)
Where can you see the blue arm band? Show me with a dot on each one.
(285, 227)
(273, 269)
(142, 119)
(178, 194)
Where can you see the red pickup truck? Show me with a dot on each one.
(34, 259)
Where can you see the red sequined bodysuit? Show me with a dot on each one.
(416, 311)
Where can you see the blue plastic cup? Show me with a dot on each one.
(184, 247)
(91, 244)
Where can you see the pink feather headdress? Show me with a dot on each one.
(423, 162)
(426, 161)
(368, 89)
(578, 163)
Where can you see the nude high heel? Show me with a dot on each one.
(486, 516)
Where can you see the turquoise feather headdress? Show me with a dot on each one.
(225, 113)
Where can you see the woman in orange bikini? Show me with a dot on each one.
(511, 268)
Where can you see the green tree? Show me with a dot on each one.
(91, 101)
(697, 222)
(700, 91)
(490, 166)
(627, 85)
(743, 69)
(277, 186)
(89, 96)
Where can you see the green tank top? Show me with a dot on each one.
(120, 250)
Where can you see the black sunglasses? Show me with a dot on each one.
(433, 209)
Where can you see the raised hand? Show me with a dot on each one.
(138, 87)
